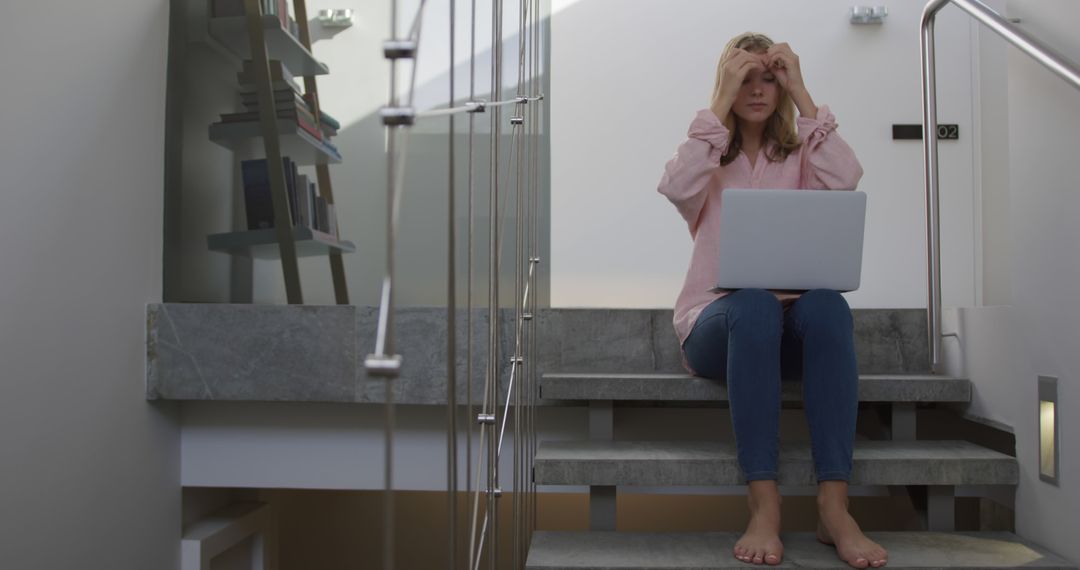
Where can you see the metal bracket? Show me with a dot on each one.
(383, 366)
(398, 116)
(475, 106)
(527, 316)
(517, 360)
(517, 120)
(337, 18)
(488, 419)
(534, 260)
(868, 14)
(522, 100)
(399, 49)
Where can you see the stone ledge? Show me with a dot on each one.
(713, 551)
(311, 353)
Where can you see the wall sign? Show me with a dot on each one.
(946, 132)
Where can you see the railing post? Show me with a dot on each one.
(930, 172)
(1023, 41)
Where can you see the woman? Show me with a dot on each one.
(749, 138)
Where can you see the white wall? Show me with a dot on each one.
(325, 446)
(622, 100)
(341, 447)
(88, 470)
(1029, 236)
(1044, 117)
(992, 164)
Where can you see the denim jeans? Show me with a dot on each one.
(746, 339)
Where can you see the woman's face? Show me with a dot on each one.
(758, 97)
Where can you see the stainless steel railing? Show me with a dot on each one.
(523, 161)
(1049, 58)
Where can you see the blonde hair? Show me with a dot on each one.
(780, 128)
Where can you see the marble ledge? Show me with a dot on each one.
(315, 353)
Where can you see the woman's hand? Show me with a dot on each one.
(734, 71)
(784, 64)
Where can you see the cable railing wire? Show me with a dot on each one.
(521, 160)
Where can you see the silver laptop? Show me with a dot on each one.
(791, 239)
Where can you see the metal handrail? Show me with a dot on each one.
(1048, 57)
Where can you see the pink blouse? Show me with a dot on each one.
(693, 180)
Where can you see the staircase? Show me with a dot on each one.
(930, 471)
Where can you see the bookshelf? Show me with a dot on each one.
(292, 127)
(262, 244)
(232, 32)
(296, 143)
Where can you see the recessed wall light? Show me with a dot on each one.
(1049, 414)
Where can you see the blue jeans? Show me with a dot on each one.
(746, 339)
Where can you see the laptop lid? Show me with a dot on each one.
(791, 239)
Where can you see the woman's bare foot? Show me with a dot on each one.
(837, 528)
(760, 544)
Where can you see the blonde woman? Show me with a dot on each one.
(749, 138)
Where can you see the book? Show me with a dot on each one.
(301, 115)
(258, 201)
(316, 221)
(290, 188)
(312, 194)
(279, 8)
(324, 118)
(288, 99)
(288, 117)
(285, 99)
(258, 204)
(331, 220)
(283, 111)
(252, 88)
(323, 213)
(303, 190)
(281, 96)
(283, 13)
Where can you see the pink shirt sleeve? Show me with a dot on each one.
(829, 162)
(686, 176)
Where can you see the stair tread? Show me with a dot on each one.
(605, 550)
(682, 463)
(683, 387)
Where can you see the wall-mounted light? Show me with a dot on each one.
(1048, 430)
(341, 18)
(869, 14)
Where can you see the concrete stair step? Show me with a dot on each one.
(634, 341)
(692, 463)
(681, 387)
(712, 551)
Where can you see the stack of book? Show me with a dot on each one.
(292, 107)
(306, 208)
